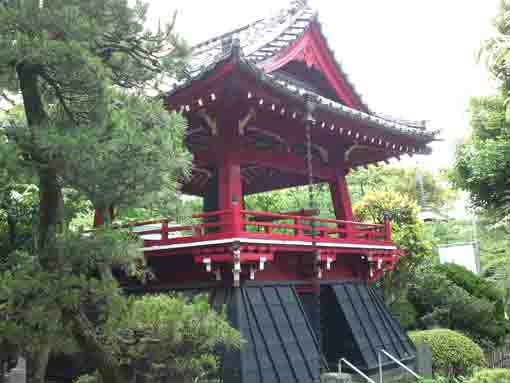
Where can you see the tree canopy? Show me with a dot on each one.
(482, 163)
(87, 135)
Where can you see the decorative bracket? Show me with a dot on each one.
(217, 273)
(354, 147)
(253, 270)
(262, 263)
(246, 120)
(210, 121)
(207, 263)
(329, 260)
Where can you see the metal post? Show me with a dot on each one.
(379, 359)
(400, 363)
(358, 371)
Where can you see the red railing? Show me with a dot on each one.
(304, 226)
(209, 222)
(263, 225)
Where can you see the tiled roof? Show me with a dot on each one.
(258, 41)
(301, 94)
(388, 123)
(261, 40)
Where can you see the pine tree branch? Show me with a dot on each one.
(58, 92)
(7, 98)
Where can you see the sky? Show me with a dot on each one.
(411, 59)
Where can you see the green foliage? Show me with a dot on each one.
(439, 379)
(482, 164)
(453, 354)
(362, 181)
(453, 297)
(496, 50)
(405, 312)
(472, 283)
(103, 40)
(124, 159)
(498, 375)
(292, 199)
(450, 231)
(87, 379)
(402, 181)
(79, 68)
(181, 337)
(407, 234)
(34, 298)
(169, 338)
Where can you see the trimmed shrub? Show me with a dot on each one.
(453, 354)
(498, 375)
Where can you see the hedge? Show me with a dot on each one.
(453, 354)
(491, 376)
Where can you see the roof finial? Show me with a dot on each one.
(236, 46)
(298, 4)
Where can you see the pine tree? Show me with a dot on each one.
(82, 69)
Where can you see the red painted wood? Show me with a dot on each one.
(237, 223)
(387, 229)
(340, 195)
(276, 160)
(245, 257)
(205, 87)
(312, 49)
(98, 220)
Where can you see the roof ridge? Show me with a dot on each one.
(286, 13)
(224, 35)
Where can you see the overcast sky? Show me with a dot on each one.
(413, 59)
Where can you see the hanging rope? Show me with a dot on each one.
(317, 322)
(308, 122)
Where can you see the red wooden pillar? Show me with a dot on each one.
(99, 220)
(387, 228)
(230, 192)
(340, 197)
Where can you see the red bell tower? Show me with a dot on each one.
(296, 285)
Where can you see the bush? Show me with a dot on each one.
(442, 298)
(405, 312)
(453, 354)
(473, 284)
(491, 376)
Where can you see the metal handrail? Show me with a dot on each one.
(356, 369)
(396, 361)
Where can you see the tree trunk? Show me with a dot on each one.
(37, 362)
(50, 224)
(50, 203)
(50, 196)
(102, 358)
(50, 214)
